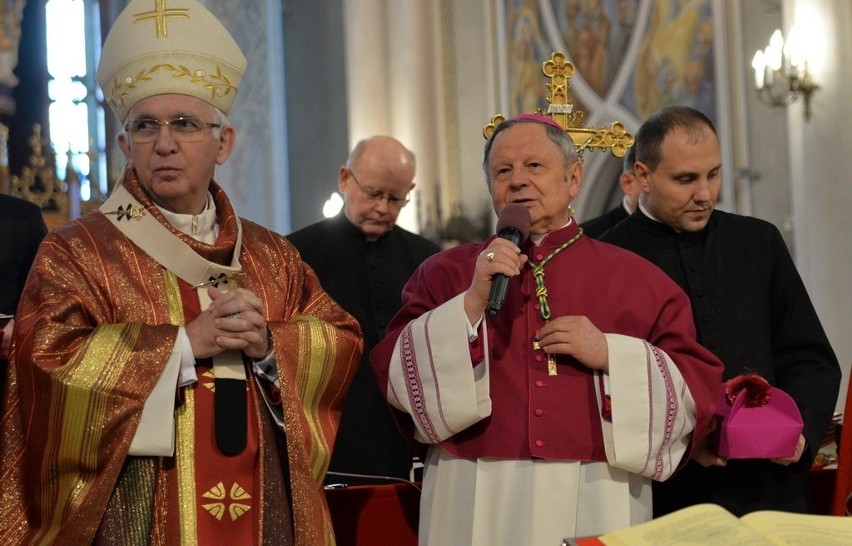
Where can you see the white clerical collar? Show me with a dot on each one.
(645, 211)
(625, 202)
(651, 216)
(201, 227)
(538, 238)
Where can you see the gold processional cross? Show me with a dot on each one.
(560, 109)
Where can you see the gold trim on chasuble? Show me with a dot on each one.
(78, 414)
(185, 447)
(184, 431)
(316, 354)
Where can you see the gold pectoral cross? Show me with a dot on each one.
(551, 360)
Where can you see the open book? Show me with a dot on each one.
(711, 524)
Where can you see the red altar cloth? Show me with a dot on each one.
(367, 515)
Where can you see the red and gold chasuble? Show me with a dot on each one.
(97, 325)
(215, 490)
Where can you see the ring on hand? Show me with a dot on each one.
(490, 256)
(236, 315)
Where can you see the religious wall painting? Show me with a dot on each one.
(632, 56)
(527, 49)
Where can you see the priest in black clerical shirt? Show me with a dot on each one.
(750, 307)
(363, 260)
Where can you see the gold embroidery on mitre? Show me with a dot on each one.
(235, 509)
(219, 83)
(160, 15)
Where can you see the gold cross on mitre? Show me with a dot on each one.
(560, 109)
(160, 15)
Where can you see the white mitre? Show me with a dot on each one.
(169, 46)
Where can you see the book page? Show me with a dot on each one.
(701, 524)
(802, 529)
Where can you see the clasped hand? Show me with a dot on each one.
(234, 320)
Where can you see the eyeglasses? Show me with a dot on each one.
(183, 129)
(376, 195)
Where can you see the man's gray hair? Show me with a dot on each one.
(559, 136)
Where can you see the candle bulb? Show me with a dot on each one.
(774, 52)
(758, 63)
(793, 51)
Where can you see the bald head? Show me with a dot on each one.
(385, 151)
(375, 183)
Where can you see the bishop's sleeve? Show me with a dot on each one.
(652, 413)
(430, 375)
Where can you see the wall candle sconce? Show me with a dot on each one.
(781, 72)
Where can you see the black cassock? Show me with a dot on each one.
(597, 226)
(21, 230)
(752, 311)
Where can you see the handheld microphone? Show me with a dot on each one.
(513, 224)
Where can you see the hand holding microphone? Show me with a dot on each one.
(513, 224)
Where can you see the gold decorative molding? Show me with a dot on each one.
(60, 200)
(559, 71)
(38, 182)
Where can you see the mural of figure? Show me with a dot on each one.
(526, 45)
(673, 60)
(572, 27)
(700, 74)
(619, 37)
(591, 46)
(700, 93)
(668, 48)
